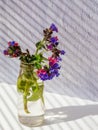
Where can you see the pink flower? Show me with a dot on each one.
(42, 71)
(16, 44)
(9, 43)
(52, 60)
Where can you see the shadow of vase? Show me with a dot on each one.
(70, 113)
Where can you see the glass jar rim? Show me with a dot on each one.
(26, 65)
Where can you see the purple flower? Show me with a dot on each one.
(50, 47)
(51, 76)
(56, 43)
(59, 58)
(56, 73)
(12, 43)
(53, 39)
(56, 66)
(5, 52)
(53, 27)
(53, 70)
(43, 76)
(53, 73)
(52, 61)
(62, 52)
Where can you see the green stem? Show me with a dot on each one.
(25, 103)
(25, 98)
(42, 42)
(42, 99)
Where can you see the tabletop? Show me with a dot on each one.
(62, 111)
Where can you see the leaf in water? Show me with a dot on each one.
(36, 94)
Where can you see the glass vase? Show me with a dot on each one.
(30, 96)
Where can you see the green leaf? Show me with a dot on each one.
(38, 66)
(36, 94)
(38, 45)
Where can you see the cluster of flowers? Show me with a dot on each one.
(48, 73)
(52, 71)
(13, 49)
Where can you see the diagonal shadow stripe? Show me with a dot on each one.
(94, 36)
(8, 20)
(83, 77)
(91, 8)
(7, 121)
(85, 47)
(70, 90)
(74, 89)
(77, 63)
(87, 123)
(96, 123)
(26, 11)
(36, 22)
(6, 68)
(94, 22)
(16, 28)
(10, 97)
(22, 18)
(76, 50)
(23, 41)
(41, 10)
(81, 43)
(17, 36)
(1, 127)
(95, 3)
(85, 12)
(8, 35)
(68, 17)
(19, 23)
(71, 68)
(83, 37)
(12, 115)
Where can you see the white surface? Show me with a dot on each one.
(62, 112)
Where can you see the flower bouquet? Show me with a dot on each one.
(34, 70)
